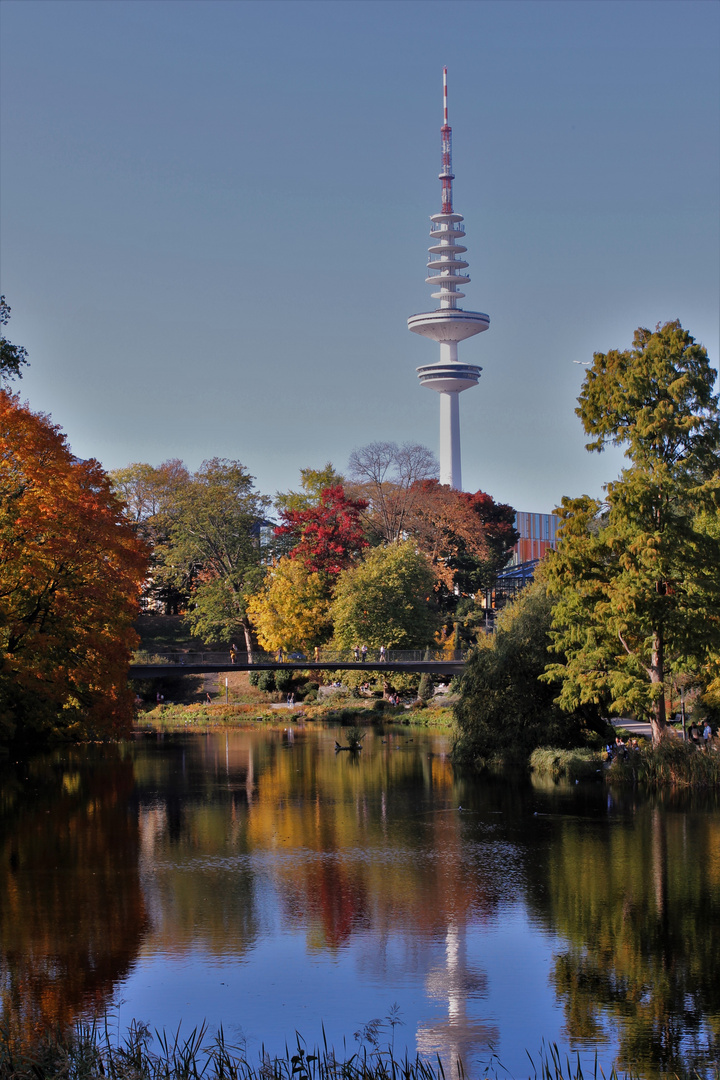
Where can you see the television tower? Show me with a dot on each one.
(448, 324)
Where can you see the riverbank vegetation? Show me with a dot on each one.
(177, 717)
(627, 610)
(672, 763)
(579, 764)
(623, 614)
(635, 582)
(505, 711)
(88, 1051)
(385, 557)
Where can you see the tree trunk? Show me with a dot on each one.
(657, 676)
(248, 640)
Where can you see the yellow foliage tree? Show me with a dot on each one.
(293, 609)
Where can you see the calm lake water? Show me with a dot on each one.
(260, 880)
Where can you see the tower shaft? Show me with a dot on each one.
(450, 460)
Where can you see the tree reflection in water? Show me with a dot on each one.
(368, 850)
(639, 907)
(210, 849)
(72, 914)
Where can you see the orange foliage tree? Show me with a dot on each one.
(467, 537)
(70, 573)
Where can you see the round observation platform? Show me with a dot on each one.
(449, 324)
(449, 378)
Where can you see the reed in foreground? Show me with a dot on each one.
(88, 1052)
(672, 763)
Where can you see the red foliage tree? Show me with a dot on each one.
(70, 573)
(328, 537)
(498, 524)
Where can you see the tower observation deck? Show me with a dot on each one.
(449, 323)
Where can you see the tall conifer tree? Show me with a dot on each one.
(636, 579)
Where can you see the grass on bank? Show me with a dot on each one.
(176, 716)
(580, 764)
(88, 1052)
(672, 763)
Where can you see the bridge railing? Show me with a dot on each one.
(182, 657)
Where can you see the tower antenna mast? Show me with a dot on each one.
(446, 174)
(448, 324)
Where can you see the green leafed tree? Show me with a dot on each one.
(312, 484)
(388, 599)
(214, 543)
(636, 579)
(12, 357)
(148, 494)
(504, 710)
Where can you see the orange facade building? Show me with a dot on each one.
(538, 534)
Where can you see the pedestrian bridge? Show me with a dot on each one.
(188, 663)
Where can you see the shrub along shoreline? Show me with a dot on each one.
(672, 764)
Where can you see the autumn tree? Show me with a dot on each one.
(475, 572)
(328, 536)
(214, 543)
(149, 495)
(635, 579)
(12, 357)
(388, 477)
(70, 575)
(321, 537)
(148, 492)
(467, 537)
(292, 610)
(387, 599)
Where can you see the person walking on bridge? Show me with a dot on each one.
(382, 654)
(364, 652)
(233, 652)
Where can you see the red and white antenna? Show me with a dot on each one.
(446, 174)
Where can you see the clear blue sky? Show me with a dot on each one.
(215, 218)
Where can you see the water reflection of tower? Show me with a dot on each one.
(460, 1035)
(448, 324)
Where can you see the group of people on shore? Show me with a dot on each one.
(700, 734)
(619, 750)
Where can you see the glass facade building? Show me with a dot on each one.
(538, 534)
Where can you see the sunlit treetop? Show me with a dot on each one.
(12, 357)
(657, 398)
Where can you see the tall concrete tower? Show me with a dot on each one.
(448, 324)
